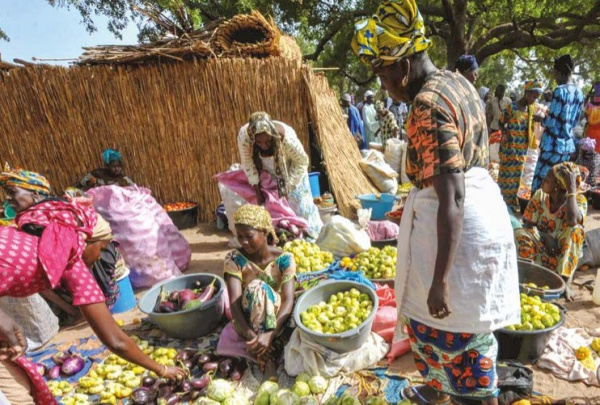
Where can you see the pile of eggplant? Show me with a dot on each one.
(205, 365)
(183, 300)
(65, 363)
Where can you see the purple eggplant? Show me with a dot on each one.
(204, 358)
(54, 372)
(238, 371)
(187, 364)
(182, 356)
(165, 391)
(184, 386)
(210, 366)
(166, 307)
(148, 381)
(208, 292)
(142, 396)
(200, 383)
(72, 365)
(225, 367)
(41, 368)
(197, 285)
(60, 357)
(174, 296)
(186, 295)
(169, 400)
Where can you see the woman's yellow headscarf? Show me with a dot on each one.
(562, 172)
(395, 31)
(256, 217)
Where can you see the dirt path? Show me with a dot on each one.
(209, 247)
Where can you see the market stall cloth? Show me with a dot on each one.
(559, 356)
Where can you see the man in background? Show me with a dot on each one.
(494, 108)
(355, 123)
(369, 117)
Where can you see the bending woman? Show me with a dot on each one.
(273, 146)
(30, 263)
(456, 277)
(553, 234)
(260, 282)
(111, 173)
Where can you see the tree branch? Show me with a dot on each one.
(359, 83)
(334, 28)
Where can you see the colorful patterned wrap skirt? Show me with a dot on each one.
(459, 364)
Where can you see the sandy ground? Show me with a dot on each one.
(210, 245)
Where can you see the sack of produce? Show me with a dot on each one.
(393, 153)
(151, 244)
(379, 172)
(529, 169)
(343, 237)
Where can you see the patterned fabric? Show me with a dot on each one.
(110, 155)
(459, 364)
(395, 31)
(41, 392)
(570, 239)
(513, 152)
(356, 126)
(93, 179)
(66, 226)
(24, 179)
(21, 274)
(261, 296)
(291, 149)
(447, 132)
(591, 161)
(534, 85)
(592, 129)
(256, 217)
(260, 123)
(562, 117)
(546, 161)
(388, 127)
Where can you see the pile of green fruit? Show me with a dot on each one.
(343, 311)
(308, 256)
(536, 314)
(375, 263)
(302, 393)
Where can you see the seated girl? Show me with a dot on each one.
(553, 233)
(260, 283)
(111, 174)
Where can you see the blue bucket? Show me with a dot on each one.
(126, 300)
(379, 206)
(315, 188)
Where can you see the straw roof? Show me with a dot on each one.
(245, 35)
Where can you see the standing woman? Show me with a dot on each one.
(47, 250)
(274, 147)
(558, 141)
(456, 278)
(517, 124)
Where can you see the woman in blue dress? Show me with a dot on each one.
(558, 141)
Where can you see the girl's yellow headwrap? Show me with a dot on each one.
(255, 216)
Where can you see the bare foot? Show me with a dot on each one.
(424, 394)
(568, 294)
(271, 371)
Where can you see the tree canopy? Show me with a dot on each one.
(497, 32)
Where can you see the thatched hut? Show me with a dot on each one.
(175, 123)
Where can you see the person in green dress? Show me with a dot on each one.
(261, 284)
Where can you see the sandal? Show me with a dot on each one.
(427, 396)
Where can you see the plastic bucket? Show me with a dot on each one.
(338, 342)
(192, 323)
(126, 300)
(313, 180)
(380, 206)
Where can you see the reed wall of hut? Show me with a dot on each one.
(175, 124)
